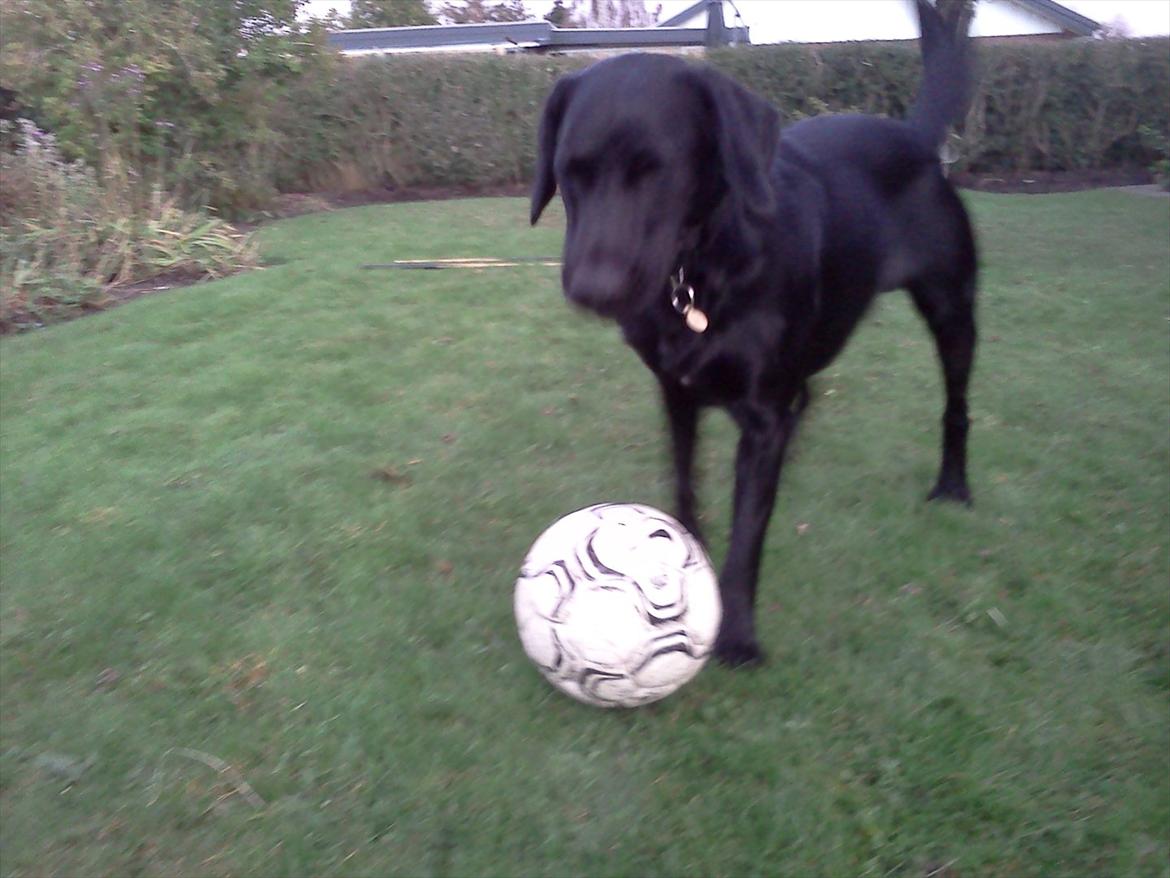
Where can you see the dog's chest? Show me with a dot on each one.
(718, 365)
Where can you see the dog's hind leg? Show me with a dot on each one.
(949, 310)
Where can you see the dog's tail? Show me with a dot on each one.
(947, 78)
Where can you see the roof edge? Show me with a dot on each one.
(1081, 25)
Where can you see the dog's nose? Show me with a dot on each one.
(597, 286)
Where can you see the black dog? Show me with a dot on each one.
(738, 260)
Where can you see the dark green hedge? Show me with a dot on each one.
(444, 120)
(1051, 105)
(289, 114)
(416, 120)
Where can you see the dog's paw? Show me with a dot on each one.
(955, 493)
(739, 653)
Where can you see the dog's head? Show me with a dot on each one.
(645, 149)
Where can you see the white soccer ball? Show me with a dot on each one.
(617, 604)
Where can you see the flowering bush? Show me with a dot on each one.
(181, 91)
(66, 235)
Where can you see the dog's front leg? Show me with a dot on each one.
(764, 436)
(682, 415)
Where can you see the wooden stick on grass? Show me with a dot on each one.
(241, 786)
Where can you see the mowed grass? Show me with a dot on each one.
(277, 519)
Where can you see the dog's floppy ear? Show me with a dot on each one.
(544, 183)
(747, 130)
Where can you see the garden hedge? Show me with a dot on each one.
(444, 120)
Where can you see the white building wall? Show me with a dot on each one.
(829, 21)
(994, 18)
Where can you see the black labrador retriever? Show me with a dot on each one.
(738, 259)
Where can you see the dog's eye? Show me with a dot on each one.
(580, 173)
(641, 166)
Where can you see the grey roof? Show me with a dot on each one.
(626, 37)
(439, 36)
(686, 15)
(1070, 21)
(526, 34)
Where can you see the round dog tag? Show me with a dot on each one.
(696, 320)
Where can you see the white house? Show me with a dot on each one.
(831, 21)
(708, 23)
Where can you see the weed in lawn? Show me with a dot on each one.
(275, 520)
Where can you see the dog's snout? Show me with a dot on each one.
(596, 284)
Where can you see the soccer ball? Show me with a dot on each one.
(617, 604)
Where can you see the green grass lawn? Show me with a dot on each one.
(276, 519)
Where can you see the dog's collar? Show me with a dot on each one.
(682, 299)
